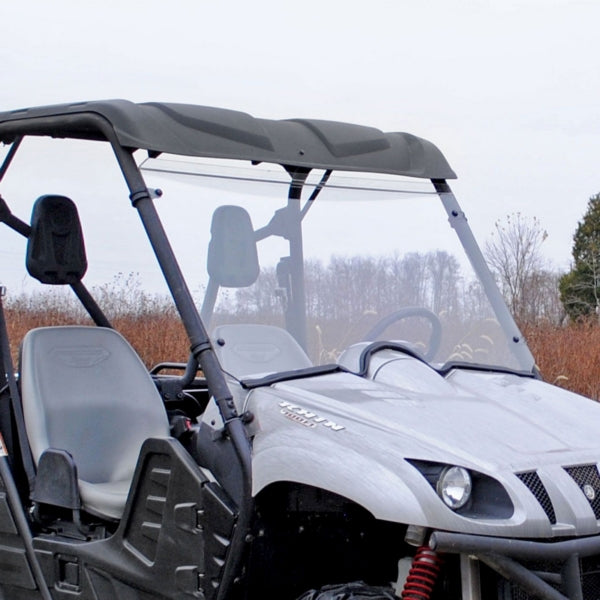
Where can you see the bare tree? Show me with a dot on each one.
(515, 257)
(444, 275)
(543, 298)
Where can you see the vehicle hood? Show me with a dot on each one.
(353, 435)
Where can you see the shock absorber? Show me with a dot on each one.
(423, 574)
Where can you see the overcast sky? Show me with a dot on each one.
(508, 89)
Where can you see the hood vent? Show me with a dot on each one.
(532, 480)
(588, 480)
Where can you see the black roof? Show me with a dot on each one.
(220, 133)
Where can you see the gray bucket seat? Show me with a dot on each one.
(250, 350)
(86, 391)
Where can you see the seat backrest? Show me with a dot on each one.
(245, 350)
(85, 390)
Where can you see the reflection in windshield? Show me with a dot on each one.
(334, 267)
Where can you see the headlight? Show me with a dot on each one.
(454, 487)
(470, 493)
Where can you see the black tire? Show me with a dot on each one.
(356, 590)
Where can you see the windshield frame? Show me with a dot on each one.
(117, 122)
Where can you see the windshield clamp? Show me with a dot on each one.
(135, 197)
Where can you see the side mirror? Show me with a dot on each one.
(55, 249)
(232, 257)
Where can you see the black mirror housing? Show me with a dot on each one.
(55, 249)
(232, 256)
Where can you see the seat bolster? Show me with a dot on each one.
(56, 480)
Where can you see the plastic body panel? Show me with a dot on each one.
(171, 542)
(351, 436)
(16, 576)
(220, 133)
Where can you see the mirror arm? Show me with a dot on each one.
(10, 155)
(210, 299)
(315, 193)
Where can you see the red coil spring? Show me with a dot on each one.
(422, 576)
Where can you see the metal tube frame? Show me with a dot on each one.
(523, 577)
(10, 155)
(502, 554)
(470, 581)
(297, 310)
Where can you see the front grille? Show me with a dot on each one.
(590, 581)
(588, 480)
(591, 578)
(548, 571)
(514, 592)
(532, 480)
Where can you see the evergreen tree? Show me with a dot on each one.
(580, 287)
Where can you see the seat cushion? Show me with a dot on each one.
(105, 499)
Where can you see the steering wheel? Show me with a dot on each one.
(435, 337)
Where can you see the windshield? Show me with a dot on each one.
(333, 259)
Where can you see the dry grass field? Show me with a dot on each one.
(567, 356)
(149, 323)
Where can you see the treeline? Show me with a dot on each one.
(565, 354)
(348, 287)
(348, 295)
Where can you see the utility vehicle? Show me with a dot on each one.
(359, 416)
